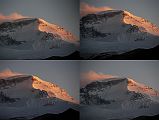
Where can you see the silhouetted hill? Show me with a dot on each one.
(70, 114)
(74, 56)
(137, 54)
(156, 117)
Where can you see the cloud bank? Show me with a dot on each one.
(12, 16)
(8, 73)
(91, 76)
(89, 9)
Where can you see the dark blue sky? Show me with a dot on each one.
(146, 72)
(147, 9)
(62, 73)
(62, 12)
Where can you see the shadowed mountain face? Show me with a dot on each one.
(115, 32)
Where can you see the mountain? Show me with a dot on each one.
(28, 96)
(117, 98)
(34, 38)
(115, 32)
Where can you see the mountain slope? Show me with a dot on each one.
(117, 98)
(28, 36)
(116, 32)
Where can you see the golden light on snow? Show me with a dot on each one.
(52, 89)
(141, 88)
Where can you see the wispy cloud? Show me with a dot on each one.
(89, 9)
(91, 76)
(12, 16)
(8, 73)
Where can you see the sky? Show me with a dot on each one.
(147, 9)
(146, 72)
(61, 12)
(63, 73)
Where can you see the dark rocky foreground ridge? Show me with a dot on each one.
(73, 56)
(155, 117)
(137, 54)
(69, 114)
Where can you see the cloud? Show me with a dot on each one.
(12, 16)
(91, 76)
(8, 73)
(89, 9)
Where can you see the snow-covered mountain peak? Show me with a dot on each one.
(119, 92)
(28, 86)
(28, 96)
(121, 84)
(122, 96)
(120, 17)
(38, 24)
(42, 39)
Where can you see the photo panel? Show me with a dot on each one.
(119, 29)
(39, 29)
(39, 90)
(119, 90)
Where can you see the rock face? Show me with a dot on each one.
(115, 32)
